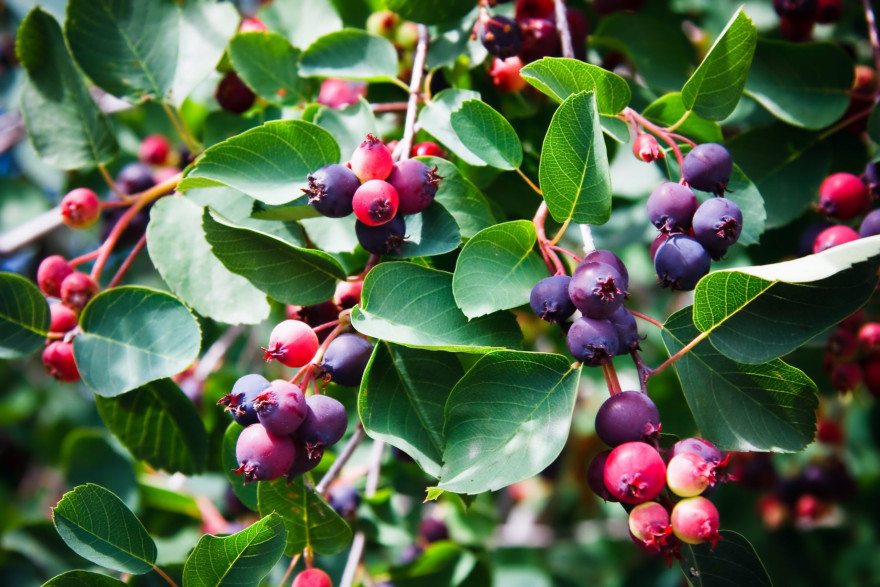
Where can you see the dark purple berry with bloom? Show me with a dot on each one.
(384, 239)
(870, 225)
(717, 225)
(345, 500)
(681, 262)
(671, 207)
(305, 460)
(596, 476)
(707, 168)
(549, 299)
(597, 289)
(628, 416)
(609, 258)
(501, 36)
(627, 330)
(331, 189)
(592, 342)
(240, 401)
(325, 423)
(345, 359)
(281, 407)
(416, 185)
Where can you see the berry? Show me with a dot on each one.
(540, 39)
(261, 455)
(154, 150)
(627, 330)
(671, 207)
(872, 168)
(869, 337)
(51, 273)
(608, 6)
(534, 9)
(345, 360)
(649, 523)
(415, 183)
(703, 448)
(382, 24)
(833, 236)
(383, 239)
(331, 189)
(597, 289)
(325, 423)
(407, 36)
(681, 262)
(635, 472)
(695, 520)
(233, 95)
(829, 11)
(312, 578)
(305, 460)
(77, 289)
(646, 148)
(345, 500)
(371, 160)
(292, 343)
(843, 196)
(428, 149)
(628, 416)
(796, 10)
(870, 225)
(688, 474)
(717, 225)
(549, 299)
(592, 342)
(375, 202)
(135, 178)
(655, 244)
(433, 530)
(796, 31)
(596, 476)
(501, 36)
(339, 93)
(62, 319)
(505, 74)
(708, 167)
(314, 315)
(609, 258)
(240, 401)
(281, 408)
(846, 377)
(348, 294)
(80, 208)
(252, 25)
(579, 27)
(59, 362)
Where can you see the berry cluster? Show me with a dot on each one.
(378, 191)
(852, 355)
(846, 197)
(634, 472)
(691, 233)
(797, 17)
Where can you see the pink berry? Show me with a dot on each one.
(869, 337)
(59, 362)
(292, 343)
(80, 208)
(338, 93)
(415, 183)
(646, 148)
(695, 520)
(375, 202)
(635, 472)
(252, 25)
(371, 160)
(505, 75)
(263, 456)
(348, 294)
(649, 522)
(843, 196)
(833, 236)
(846, 377)
(51, 273)
(77, 289)
(154, 150)
(63, 318)
(688, 474)
(281, 408)
(312, 578)
(428, 149)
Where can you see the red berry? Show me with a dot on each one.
(338, 93)
(80, 208)
(59, 362)
(843, 196)
(252, 25)
(312, 578)
(695, 520)
(77, 289)
(649, 523)
(292, 343)
(232, 95)
(415, 183)
(869, 337)
(688, 474)
(635, 472)
(154, 150)
(871, 376)
(846, 377)
(371, 160)
(843, 344)
(428, 149)
(833, 236)
(829, 431)
(51, 273)
(348, 294)
(281, 408)
(505, 75)
(63, 318)
(375, 202)
(263, 456)
(646, 148)
(829, 11)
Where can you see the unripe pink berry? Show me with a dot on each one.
(869, 337)
(77, 290)
(646, 148)
(291, 343)
(80, 208)
(371, 160)
(688, 475)
(154, 150)
(505, 75)
(695, 520)
(635, 472)
(59, 362)
(338, 93)
(312, 578)
(281, 408)
(62, 319)
(348, 294)
(843, 196)
(649, 522)
(51, 273)
(833, 236)
(263, 456)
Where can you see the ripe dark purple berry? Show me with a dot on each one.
(305, 460)
(281, 407)
(77, 289)
(51, 273)
(345, 500)
(383, 239)
(717, 225)
(232, 95)
(135, 178)
(628, 416)
(707, 168)
(331, 189)
(671, 207)
(609, 258)
(698, 446)
(263, 456)
(433, 530)
(375, 202)
(371, 160)
(501, 36)
(635, 472)
(325, 423)
(416, 185)
(797, 10)
(596, 476)
(870, 225)
(592, 342)
(240, 401)
(681, 262)
(597, 289)
(345, 359)
(627, 330)
(695, 520)
(540, 39)
(549, 299)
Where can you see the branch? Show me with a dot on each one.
(333, 472)
(872, 33)
(405, 146)
(564, 32)
(30, 231)
(357, 545)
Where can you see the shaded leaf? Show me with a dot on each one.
(83, 579)
(434, 119)
(350, 54)
(268, 64)
(24, 317)
(430, 11)
(205, 30)
(460, 197)
(483, 130)
(733, 561)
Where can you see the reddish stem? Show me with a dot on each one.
(565, 252)
(128, 261)
(665, 136)
(83, 258)
(646, 318)
(327, 325)
(611, 378)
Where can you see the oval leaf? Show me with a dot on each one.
(754, 314)
(431, 232)
(131, 336)
(430, 11)
(241, 559)
(96, 525)
(402, 398)
(83, 579)
(506, 420)
(348, 125)
(270, 163)
(268, 64)
(305, 22)
(560, 78)
(483, 130)
(497, 269)
(88, 455)
(574, 173)
(158, 424)
(311, 523)
(766, 407)
(434, 119)
(461, 198)
(350, 54)
(24, 317)
(414, 306)
(733, 561)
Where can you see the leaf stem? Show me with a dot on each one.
(671, 129)
(680, 353)
(324, 484)
(290, 567)
(84, 258)
(560, 232)
(164, 576)
(563, 30)
(529, 181)
(565, 252)
(112, 184)
(646, 318)
(404, 148)
(120, 273)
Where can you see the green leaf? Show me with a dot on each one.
(431, 232)
(131, 336)
(267, 63)
(506, 420)
(332, 235)
(668, 110)
(804, 84)
(287, 273)
(766, 407)
(246, 493)
(430, 11)
(349, 125)
(434, 119)
(65, 125)
(574, 173)
(305, 22)
(129, 49)
(181, 253)
(733, 561)
(414, 306)
(310, 522)
(483, 130)
(350, 54)
(874, 125)
(714, 89)
(88, 456)
(158, 424)
(402, 398)
(24, 317)
(96, 525)
(269, 163)
(504, 256)
(560, 78)
(754, 314)
(461, 198)
(83, 579)
(242, 559)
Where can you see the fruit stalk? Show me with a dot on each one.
(120, 273)
(357, 545)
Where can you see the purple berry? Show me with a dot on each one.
(281, 408)
(305, 461)
(629, 416)
(433, 530)
(232, 95)
(540, 39)
(331, 189)
(501, 36)
(345, 500)
(263, 456)
(596, 476)
(708, 451)
(681, 262)
(324, 425)
(240, 401)
(797, 10)
(346, 359)
(597, 289)
(383, 239)
(592, 342)
(717, 225)
(707, 168)
(627, 330)
(870, 225)
(135, 178)
(416, 185)
(549, 299)
(671, 207)
(609, 258)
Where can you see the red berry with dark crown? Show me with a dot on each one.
(59, 362)
(416, 185)
(834, 236)
(154, 150)
(77, 290)
(261, 455)
(843, 196)
(80, 208)
(371, 160)
(635, 472)
(291, 343)
(375, 202)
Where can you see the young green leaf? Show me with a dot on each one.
(304, 22)
(131, 336)
(460, 197)
(96, 525)
(434, 119)
(24, 317)
(350, 54)
(268, 64)
(733, 561)
(483, 130)
(83, 579)
(560, 78)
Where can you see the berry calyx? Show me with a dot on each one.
(591, 341)
(717, 225)
(281, 407)
(833, 236)
(695, 520)
(291, 343)
(331, 189)
(629, 416)
(154, 150)
(305, 460)
(505, 75)
(51, 273)
(80, 208)
(649, 523)
(549, 299)
(77, 289)
(501, 36)
(371, 160)
(646, 148)
(312, 578)
(375, 202)
(688, 474)
(671, 207)
(384, 239)
(62, 318)
(240, 401)
(843, 196)
(681, 262)
(597, 289)
(415, 183)
(59, 362)
(325, 423)
(609, 258)
(707, 167)
(635, 472)
(261, 455)
(345, 359)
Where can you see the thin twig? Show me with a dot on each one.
(357, 545)
(872, 32)
(388, 106)
(164, 576)
(405, 146)
(84, 258)
(30, 231)
(564, 32)
(587, 238)
(286, 576)
(324, 484)
(120, 273)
